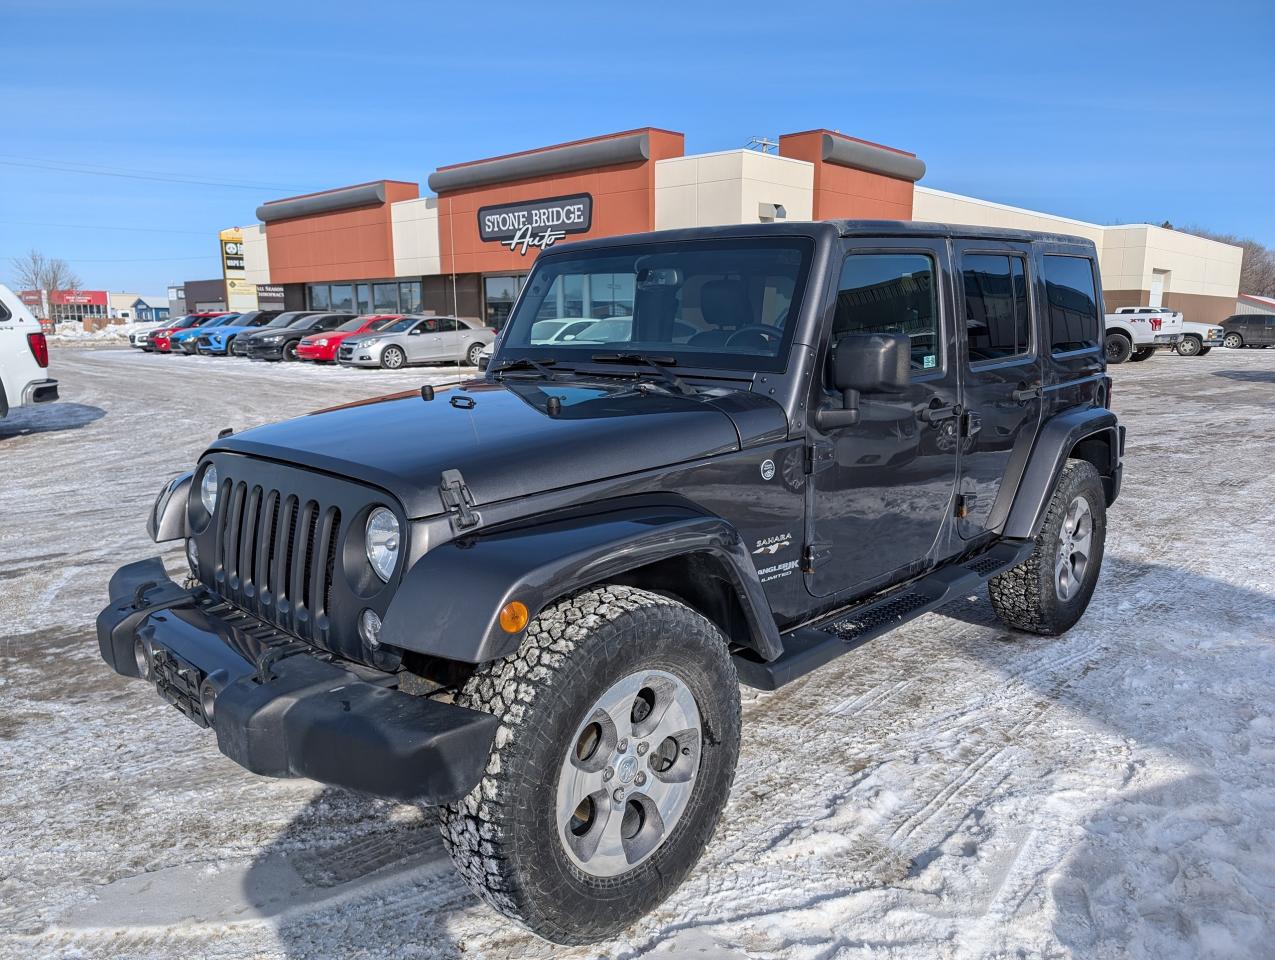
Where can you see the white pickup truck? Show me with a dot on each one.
(24, 356)
(1134, 335)
(1197, 338)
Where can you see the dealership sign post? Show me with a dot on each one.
(535, 223)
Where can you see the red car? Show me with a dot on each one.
(162, 340)
(321, 347)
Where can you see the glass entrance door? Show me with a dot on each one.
(499, 294)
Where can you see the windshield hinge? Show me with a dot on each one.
(820, 455)
(458, 501)
(815, 554)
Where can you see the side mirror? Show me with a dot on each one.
(866, 363)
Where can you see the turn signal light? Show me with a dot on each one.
(514, 617)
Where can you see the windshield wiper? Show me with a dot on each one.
(526, 363)
(658, 364)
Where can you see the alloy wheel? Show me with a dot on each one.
(1233, 340)
(1074, 549)
(628, 773)
(392, 358)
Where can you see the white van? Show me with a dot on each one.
(24, 356)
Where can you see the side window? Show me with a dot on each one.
(891, 293)
(997, 319)
(1073, 303)
(447, 325)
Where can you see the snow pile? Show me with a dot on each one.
(111, 333)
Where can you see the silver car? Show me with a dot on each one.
(417, 340)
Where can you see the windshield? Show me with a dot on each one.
(222, 321)
(707, 303)
(400, 326)
(283, 320)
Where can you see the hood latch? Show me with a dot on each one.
(458, 501)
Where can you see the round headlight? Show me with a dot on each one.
(382, 542)
(208, 490)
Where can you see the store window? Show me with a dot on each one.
(384, 298)
(996, 317)
(1073, 303)
(319, 296)
(409, 297)
(363, 298)
(342, 297)
(499, 294)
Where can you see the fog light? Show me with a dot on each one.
(140, 659)
(370, 628)
(192, 556)
(513, 617)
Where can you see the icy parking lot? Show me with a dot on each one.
(951, 790)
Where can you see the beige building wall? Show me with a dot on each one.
(936, 206)
(256, 256)
(734, 186)
(416, 247)
(119, 304)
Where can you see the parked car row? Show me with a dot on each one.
(384, 340)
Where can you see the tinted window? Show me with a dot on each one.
(891, 293)
(1073, 303)
(401, 326)
(996, 313)
(448, 325)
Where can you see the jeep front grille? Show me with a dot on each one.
(276, 556)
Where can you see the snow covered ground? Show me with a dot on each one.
(951, 790)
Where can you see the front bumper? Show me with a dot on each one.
(360, 356)
(278, 707)
(264, 351)
(188, 346)
(308, 351)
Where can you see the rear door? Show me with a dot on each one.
(449, 339)
(1002, 372)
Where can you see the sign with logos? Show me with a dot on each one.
(78, 297)
(269, 295)
(241, 295)
(232, 261)
(535, 223)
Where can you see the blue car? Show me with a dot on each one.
(184, 340)
(215, 340)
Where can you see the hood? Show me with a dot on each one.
(503, 440)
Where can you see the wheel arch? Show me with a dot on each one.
(1089, 433)
(458, 588)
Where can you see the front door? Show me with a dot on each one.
(880, 491)
(1002, 373)
(424, 342)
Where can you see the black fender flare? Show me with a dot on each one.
(1058, 437)
(167, 520)
(448, 603)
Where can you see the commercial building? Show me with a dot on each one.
(466, 248)
(1251, 303)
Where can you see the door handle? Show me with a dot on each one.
(937, 414)
(1027, 394)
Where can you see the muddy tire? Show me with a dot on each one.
(1051, 589)
(1118, 348)
(583, 705)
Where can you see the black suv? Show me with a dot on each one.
(528, 598)
(280, 343)
(1248, 330)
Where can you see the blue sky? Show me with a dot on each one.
(1110, 112)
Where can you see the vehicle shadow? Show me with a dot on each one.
(1248, 376)
(1148, 877)
(48, 418)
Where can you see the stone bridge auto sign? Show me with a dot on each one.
(535, 223)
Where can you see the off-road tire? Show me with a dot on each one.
(471, 354)
(503, 836)
(392, 351)
(1142, 353)
(1025, 597)
(1190, 347)
(1117, 347)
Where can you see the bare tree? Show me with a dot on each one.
(35, 271)
(1257, 269)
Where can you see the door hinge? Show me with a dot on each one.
(458, 501)
(814, 554)
(819, 455)
(965, 505)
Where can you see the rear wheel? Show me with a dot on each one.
(1233, 340)
(1118, 348)
(471, 355)
(393, 358)
(1190, 347)
(616, 750)
(1051, 589)
(1142, 353)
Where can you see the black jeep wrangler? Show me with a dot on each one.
(529, 598)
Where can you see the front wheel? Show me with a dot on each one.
(1233, 340)
(619, 733)
(290, 352)
(471, 355)
(1049, 591)
(1190, 347)
(393, 358)
(1118, 348)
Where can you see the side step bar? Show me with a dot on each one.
(810, 647)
